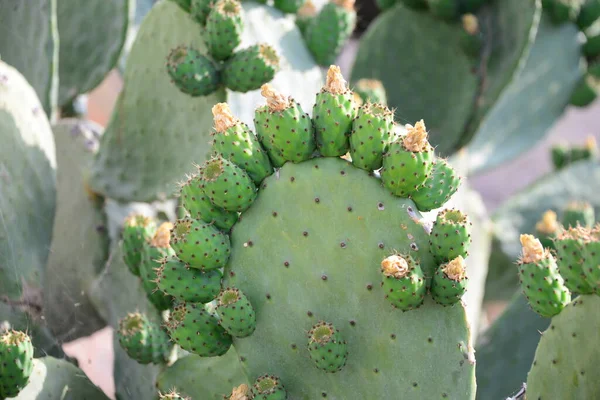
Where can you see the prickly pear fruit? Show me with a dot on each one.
(178, 279)
(333, 113)
(192, 72)
(268, 387)
(224, 28)
(449, 282)
(445, 9)
(437, 189)
(200, 10)
(327, 33)
(288, 6)
(283, 128)
(227, 185)
(372, 130)
(541, 283)
(588, 14)
(450, 236)
(371, 90)
(570, 259)
(250, 68)
(304, 15)
(578, 213)
(200, 245)
(547, 228)
(561, 11)
(154, 250)
(327, 347)
(142, 340)
(172, 395)
(586, 91)
(196, 330)
(138, 229)
(234, 140)
(563, 155)
(236, 313)
(403, 282)
(16, 362)
(591, 260)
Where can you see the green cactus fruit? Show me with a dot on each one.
(540, 281)
(288, 6)
(200, 245)
(562, 11)
(547, 228)
(449, 283)
(234, 141)
(283, 128)
(184, 283)
(578, 213)
(268, 387)
(138, 229)
(591, 254)
(16, 362)
(250, 68)
(403, 282)
(585, 91)
(591, 48)
(371, 90)
(304, 15)
(333, 113)
(472, 39)
(224, 28)
(192, 72)
(154, 251)
(588, 14)
(172, 395)
(570, 259)
(142, 340)
(196, 330)
(450, 236)
(408, 161)
(236, 313)
(328, 32)
(416, 4)
(562, 155)
(227, 185)
(445, 9)
(327, 347)
(372, 130)
(185, 5)
(200, 10)
(437, 189)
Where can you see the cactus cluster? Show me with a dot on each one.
(563, 155)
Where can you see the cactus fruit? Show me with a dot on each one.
(16, 362)
(563, 155)
(185, 283)
(137, 230)
(144, 341)
(570, 260)
(327, 347)
(227, 185)
(408, 161)
(586, 91)
(372, 130)
(333, 113)
(155, 250)
(304, 15)
(543, 286)
(371, 90)
(224, 28)
(591, 257)
(450, 235)
(588, 14)
(578, 213)
(200, 245)
(200, 9)
(283, 128)
(250, 68)
(450, 282)
(192, 72)
(288, 6)
(236, 313)
(268, 387)
(403, 282)
(547, 228)
(438, 188)
(234, 141)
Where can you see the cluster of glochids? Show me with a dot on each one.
(564, 261)
(197, 74)
(181, 264)
(563, 155)
(16, 362)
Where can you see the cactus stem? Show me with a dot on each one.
(455, 269)
(416, 137)
(223, 117)
(548, 224)
(395, 266)
(275, 100)
(335, 84)
(162, 236)
(533, 250)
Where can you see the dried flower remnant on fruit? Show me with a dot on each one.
(415, 139)
(307, 10)
(347, 4)
(395, 266)
(223, 117)
(275, 100)
(162, 236)
(335, 84)
(470, 24)
(548, 224)
(456, 269)
(240, 393)
(533, 250)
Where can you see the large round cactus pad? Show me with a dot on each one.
(309, 249)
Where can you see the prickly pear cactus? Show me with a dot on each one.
(16, 362)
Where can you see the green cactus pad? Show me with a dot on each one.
(567, 356)
(268, 387)
(288, 6)
(333, 113)
(370, 90)
(438, 188)
(16, 362)
(154, 251)
(284, 129)
(185, 283)
(449, 283)
(236, 313)
(234, 141)
(588, 14)
(591, 258)
(250, 68)
(200, 10)
(445, 9)
(143, 340)
(578, 213)
(326, 347)
(192, 72)
(227, 185)
(403, 282)
(196, 330)
(450, 235)
(200, 245)
(224, 28)
(372, 130)
(570, 259)
(329, 30)
(137, 230)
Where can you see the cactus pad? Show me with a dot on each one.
(236, 313)
(450, 235)
(192, 72)
(185, 283)
(202, 246)
(143, 340)
(16, 362)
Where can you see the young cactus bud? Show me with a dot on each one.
(450, 282)
(333, 113)
(547, 228)
(192, 72)
(570, 259)
(200, 10)
(304, 15)
(178, 279)
(408, 161)
(327, 347)
(471, 39)
(438, 188)
(588, 14)
(142, 340)
(236, 312)
(268, 387)
(403, 282)
(371, 90)
(234, 141)
(200, 245)
(16, 362)
(250, 68)
(154, 251)
(224, 28)
(445, 9)
(541, 283)
(591, 257)
(288, 6)
(372, 130)
(283, 128)
(586, 91)
(138, 229)
(450, 236)
(578, 213)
